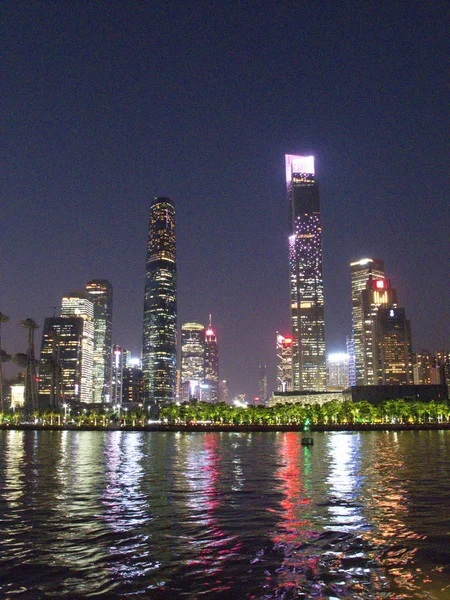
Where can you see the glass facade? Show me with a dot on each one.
(79, 304)
(306, 279)
(211, 365)
(361, 270)
(392, 348)
(193, 357)
(61, 361)
(160, 306)
(101, 293)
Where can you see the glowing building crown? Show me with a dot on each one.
(298, 164)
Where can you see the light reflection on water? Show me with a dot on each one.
(224, 515)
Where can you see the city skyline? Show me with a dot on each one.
(104, 110)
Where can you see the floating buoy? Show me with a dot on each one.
(307, 441)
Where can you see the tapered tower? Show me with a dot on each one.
(160, 306)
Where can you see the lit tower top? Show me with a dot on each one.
(210, 331)
(299, 165)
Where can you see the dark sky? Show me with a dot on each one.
(106, 104)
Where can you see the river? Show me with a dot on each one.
(171, 515)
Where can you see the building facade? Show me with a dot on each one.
(160, 306)
(361, 270)
(79, 304)
(101, 293)
(337, 371)
(211, 365)
(192, 358)
(61, 361)
(377, 294)
(284, 363)
(392, 347)
(306, 279)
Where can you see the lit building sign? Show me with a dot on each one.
(380, 284)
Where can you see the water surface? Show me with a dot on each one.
(169, 515)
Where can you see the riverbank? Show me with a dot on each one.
(189, 428)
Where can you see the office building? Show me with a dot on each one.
(80, 305)
(132, 384)
(392, 347)
(61, 361)
(101, 293)
(263, 388)
(193, 357)
(306, 280)
(377, 294)
(117, 367)
(284, 363)
(361, 270)
(160, 306)
(422, 364)
(223, 391)
(211, 365)
(337, 370)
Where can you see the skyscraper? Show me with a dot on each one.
(284, 363)
(61, 361)
(377, 294)
(118, 365)
(211, 370)
(160, 306)
(193, 356)
(101, 293)
(360, 272)
(79, 304)
(392, 347)
(306, 280)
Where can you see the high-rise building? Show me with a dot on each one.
(377, 294)
(211, 365)
(61, 361)
(132, 384)
(193, 357)
(119, 360)
(79, 304)
(360, 272)
(160, 306)
(223, 391)
(263, 392)
(350, 346)
(284, 363)
(392, 347)
(422, 363)
(337, 370)
(101, 293)
(306, 280)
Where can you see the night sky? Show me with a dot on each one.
(107, 104)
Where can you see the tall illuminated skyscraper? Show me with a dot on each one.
(211, 377)
(193, 357)
(160, 306)
(306, 280)
(79, 304)
(101, 293)
(361, 270)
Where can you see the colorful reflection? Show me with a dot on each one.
(295, 531)
(204, 502)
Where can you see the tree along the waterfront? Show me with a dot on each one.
(330, 413)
